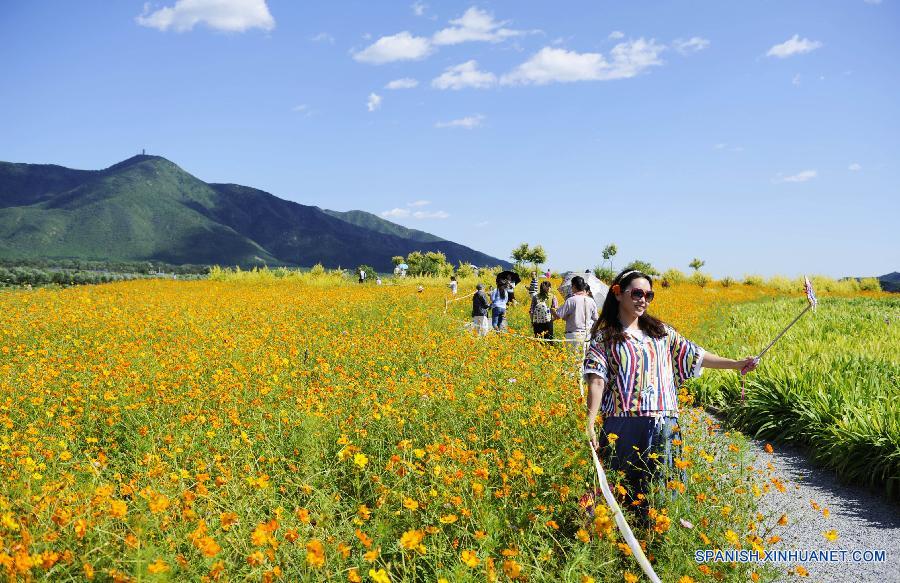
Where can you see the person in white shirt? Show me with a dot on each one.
(579, 312)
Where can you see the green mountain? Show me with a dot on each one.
(147, 208)
(375, 223)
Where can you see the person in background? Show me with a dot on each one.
(633, 368)
(378, 280)
(480, 305)
(362, 275)
(533, 285)
(547, 274)
(579, 312)
(453, 284)
(511, 293)
(420, 288)
(543, 303)
(499, 298)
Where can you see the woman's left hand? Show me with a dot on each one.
(748, 364)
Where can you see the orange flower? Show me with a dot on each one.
(411, 539)
(315, 553)
(227, 520)
(157, 566)
(470, 558)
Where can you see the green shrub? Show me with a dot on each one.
(673, 277)
(700, 278)
(870, 284)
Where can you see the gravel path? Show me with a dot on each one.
(862, 519)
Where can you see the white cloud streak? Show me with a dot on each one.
(800, 176)
(855, 167)
(224, 15)
(405, 213)
(404, 83)
(553, 65)
(692, 45)
(468, 123)
(793, 46)
(323, 37)
(464, 75)
(374, 102)
(398, 47)
(474, 25)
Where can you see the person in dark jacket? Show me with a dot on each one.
(480, 305)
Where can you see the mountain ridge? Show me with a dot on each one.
(148, 208)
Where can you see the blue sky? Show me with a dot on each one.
(762, 137)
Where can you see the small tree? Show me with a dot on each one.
(521, 253)
(696, 264)
(525, 254)
(465, 270)
(608, 253)
(397, 260)
(537, 256)
(604, 274)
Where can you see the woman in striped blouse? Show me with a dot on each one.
(634, 366)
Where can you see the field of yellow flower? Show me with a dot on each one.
(278, 430)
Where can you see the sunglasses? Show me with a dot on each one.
(637, 294)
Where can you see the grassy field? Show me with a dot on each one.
(274, 430)
(831, 384)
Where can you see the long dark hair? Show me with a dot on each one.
(502, 284)
(608, 323)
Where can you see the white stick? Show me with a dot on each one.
(633, 544)
(772, 343)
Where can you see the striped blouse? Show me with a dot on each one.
(646, 372)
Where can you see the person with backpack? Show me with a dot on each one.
(499, 297)
(543, 303)
(579, 312)
(633, 368)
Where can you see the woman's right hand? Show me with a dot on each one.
(592, 436)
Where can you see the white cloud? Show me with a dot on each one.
(226, 15)
(692, 45)
(404, 83)
(482, 224)
(469, 122)
(374, 102)
(430, 215)
(405, 213)
(398, 47)
(464, 75)
(474, 25)
(616, 35)
(419, 203)
(793, 46)
(799, 177)
(551, 65)
(796, 80)
(720, 146)
(323, 37)
(418, 8)
(855, 167)
(301, 107)
(872, 1)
